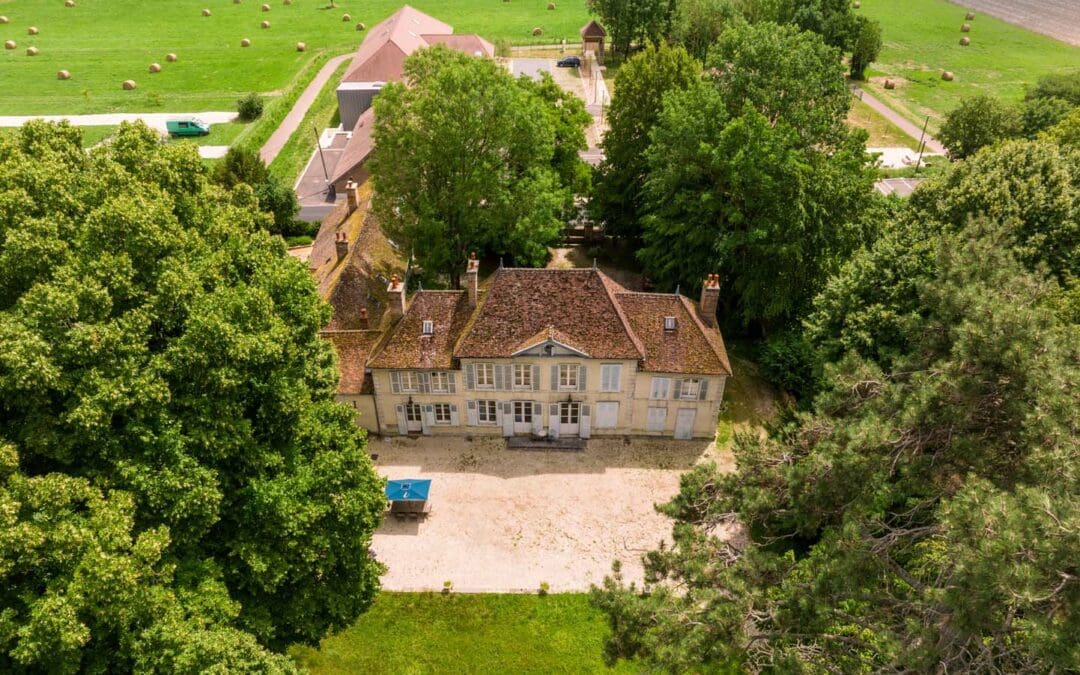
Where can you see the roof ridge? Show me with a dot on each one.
(638, 344)
(650, 293)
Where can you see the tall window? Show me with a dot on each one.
(442, 413)
(522, 376)
(568, 376)
(523, 412)
(691, 388)
(485, 411)
(409, 381)
(440, 383)
(610, 377)
(661, 386)
(485, 375)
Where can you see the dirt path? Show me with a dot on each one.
(932, 145)
(292, 121)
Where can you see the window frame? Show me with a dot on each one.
(607, 367)
(569, 412)
(691, 389)
(406, 376)
(485, 406)
(439, 408)
(437, 376)
(565, 371)
(523, 412)
(485, 371)
(427, 327)
(666, 387)
(526, 379)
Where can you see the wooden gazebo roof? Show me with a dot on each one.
(593, 29)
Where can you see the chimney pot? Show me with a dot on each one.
(341, 245)
(363, 318)
(472, 279)
(396, 297)
(710, 299)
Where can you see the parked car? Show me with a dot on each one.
(187, 127)
(569, 62)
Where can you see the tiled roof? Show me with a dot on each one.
(692, 347)
(593, 29)
(386, 45)
(520, 303)
(548, 333)
(406, 347)
(470, 44)
(353, 348)
(358, 148)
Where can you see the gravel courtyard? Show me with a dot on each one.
(506, 520)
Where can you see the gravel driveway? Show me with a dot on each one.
(506, 520)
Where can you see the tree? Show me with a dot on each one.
(1067, 132)
(569, 119)
(921, 519)
(1065, 86)
(1039, 114)
(697, 24)
(184, 492)
(640, 87)
(241, 165)
(866, 46)
(463, 162)
(629, 21)
(977, 122)
(833, 20)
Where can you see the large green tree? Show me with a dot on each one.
(697, 24)
(977, 122)
(179, 491)
(640, 86)
(923, 518)
(242, 165)
(630, 21)
(463, 162)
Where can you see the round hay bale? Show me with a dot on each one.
(266, 8)
(286, 2)
(10, 44)
(32, 30)
(969, 16)
(69, 3)
(245, 42)
(170, 57)
(551, 5)
(31, 51)
(63, 75)
(361, 26)
(128, 85)
(206, 12)
(236, 2)
(155, 68)
(538, 31)
(300, 46)
(947, 76)
(264, 24)
(4, 19)
(856, 4)
(966, 28)
(346, 18)
(965, 41)
(889, 84)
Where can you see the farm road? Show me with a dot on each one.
(292, 121)
(899, 120)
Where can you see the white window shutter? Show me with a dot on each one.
(678, 389)
(703, 390)
(427, 420)
(536, 378)
(500, 382)
(581, 378)
(471, 414)
(538, 416)
(508, 376)
(425, 383)
(395, 382)
(454, 420)
(402, 425)
(470, 377)
(555, 378)
(553, 421)
(585, 427)
(451, 379)
(508, 418)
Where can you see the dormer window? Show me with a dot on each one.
(427, 327)
(669, 323)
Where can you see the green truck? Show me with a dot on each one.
(187, 127)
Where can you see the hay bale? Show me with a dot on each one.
(32, 30)
(69, 3)
(889, 84)
(286, 2)
(155, 68)
(346, 18)
(63, 75)
(264, 24)
(361, 26)
(551, 5)
(969, 16)
(965, 41)
(245, 42)
(266, 8)
(4, 19)
(170, 57)
(538, 31)
(206, 12)
(856, 4)
(236, 2)
(128, 85)
(966, 28)
(947, 76)
(31, 51)
(10, 44)
(300, 46)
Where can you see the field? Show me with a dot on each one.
(883, 133)
(922, 38)
(104, 42)
(434, 633)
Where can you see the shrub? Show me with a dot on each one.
(789, 363)
(977, 122)
(502, 47)
(1063, 85)
(1039, 114)
(545, 587)
(250, 107)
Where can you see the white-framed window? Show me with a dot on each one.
(661, 388)
(568, 376)
(691, 388)
(427, 327)
(485, 412)
(523, 412)
(440, 383)
(410, 383)
(669, 323)
(442, 413)
(523, 376)
(569, 413)
(611, 377)
(485, 376)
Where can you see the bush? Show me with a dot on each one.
(1039, 114)
(977, 122)
(789, 363)
(250, 107)
(1064, 86)
(502, 47)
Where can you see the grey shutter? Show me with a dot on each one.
(402, 426)
(500, 383)
(553, 420)
(507, 418)
(470, 377)
(585, 426)
(536, 378)
(508, 376)
(555, 378)
(427, 420)
(451, 381)
(538, 416)
(470, 413)
(454, 421)
(425, 382)
(395, 382)
(703, 390)
(581, 370)
(678, 390)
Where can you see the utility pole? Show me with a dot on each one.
(922, 145)
(318, 144)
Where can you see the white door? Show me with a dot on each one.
(569, 418)
(684, 424)
(657, 419)
(414, 420)
(607, 414)
(523, 417)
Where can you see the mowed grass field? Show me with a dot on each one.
(405, 633)
(104, 42)
(922, 39)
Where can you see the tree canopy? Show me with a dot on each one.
(178, 489)
(629, 21)
(466, 158)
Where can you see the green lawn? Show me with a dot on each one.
(91, 135)
(883, 133)
(407, 633)
(322, 114)
(104, 43)
(922, 38)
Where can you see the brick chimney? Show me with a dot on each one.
(710, 299)
(472, 278)
(396, 298)
(364, 318)
(341, 245)
(352, 196)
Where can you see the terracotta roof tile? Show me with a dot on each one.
(358, 147)
(692, 347)
(407, 347)
(353, 348)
